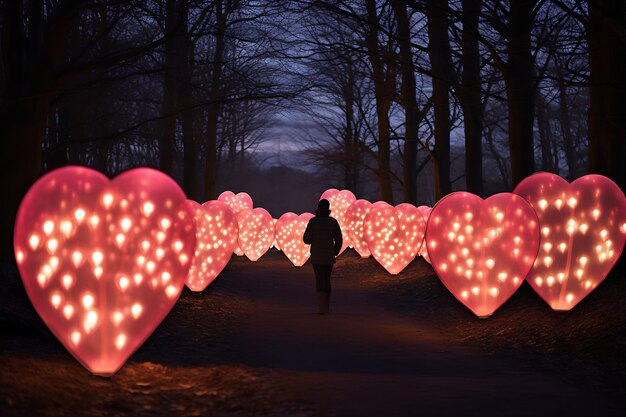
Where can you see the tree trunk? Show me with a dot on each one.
(566, 130)
(470, 98)
(214, 97)
(607, 109)
(170, 74)
(545, 136)
(409, 102)
(441, 64)
(350, 165)
(520, 89)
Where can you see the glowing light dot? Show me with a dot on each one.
(183, 259)
(558, 203)
(150, 266)
(68, 311)
(171, 291)
(547, 246)
(560, 276)
(451, 236)
(160, 236)
(178, 246)
(80, 214)
(52, 245)
(33, 241)
(55, 300)
(572, 202)
(48, 227)
(468, 216)
(165, 223)
(562, 247)
(94, 220)
(124, 282)
(499, 216)
(77, 258)
(550, 280)
(137, 278)
(67, 281)
(517, 240)
(75, 337)
(596, 214)
(119, 239)
(98, 271)
(136, 310)
(107, 200)
(118, 317)
(604, 234)
(583, 260)
(145, 245)
(547, 261)
(456, 226)
(166, 276)
(490, 263)
(502, 276)
(475, 290)
(464, 295)
(583, 228)
(579, 273)
(88, 301)
(19, 256)
(120, 341)
(160, 253)
(543, 204)
(126, 224)
(545, 231)
(148, 208)
(569, 297)
(494, 291)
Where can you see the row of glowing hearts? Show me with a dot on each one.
(103, 263)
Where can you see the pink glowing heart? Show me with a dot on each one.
(256, 232)
(236, 202)
(583, 229)
(339, 203)
(355, 217)
(425, 212)
(216, 237)
(290, 232)
(103, 261)
(394, 235)
(482, 249)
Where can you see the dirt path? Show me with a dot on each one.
(364, 360)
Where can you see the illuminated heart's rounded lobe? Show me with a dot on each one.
(355, 217)
(216, 237)
(394, 235)
(256, 232)
(425, 212)
(339, 203)
(103, 262)
(290, 233)
(583, 229)
(236, 202)
(482, 249)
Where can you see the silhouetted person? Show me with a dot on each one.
(324, 236)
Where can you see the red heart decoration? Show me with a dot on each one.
(355, 217)
(236, 202)
(216, 237)
(102, 261)
(394, 235)
(339, 203)
(425, 212)
(290, 233)
(482, 249)
(583, 229)
(256, 232)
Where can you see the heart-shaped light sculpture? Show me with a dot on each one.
(482, 249)
(394, 235)
(256, 232)
(290, 232)
(339, 203)
(216, 237)
(236, 202)
(355, 217)
(103, 261)
(425, 212)
(583, 228)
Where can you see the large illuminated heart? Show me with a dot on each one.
(102, 261)
(339, 203)
(425, 212)
(289, 233)
(482, 249)
(583, 228)
(256, 232)
(355, 217)
(216, 237)
(236, 202)
(394, 235)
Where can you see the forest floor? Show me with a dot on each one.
(251, 344)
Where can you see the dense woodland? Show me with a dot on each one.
(397, 95)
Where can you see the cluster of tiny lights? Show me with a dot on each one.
(394, 235)
(355, 218)
(583, 228)
(482, 249)
(103, 261)
(289, 232)
(340, 201)
(237, 202)
(216, 237)
(256, 232)
(425, 212)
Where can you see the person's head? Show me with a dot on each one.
(323, 208)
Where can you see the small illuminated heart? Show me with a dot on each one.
(102, 261)
(236, 202)
(394, 235)
(425, 212)
(256, 232)
(482, 249)
(216, 237)
(289, 233)
(355, 216)
(339, 203)
(583, 228)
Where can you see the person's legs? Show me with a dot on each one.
(327, 272)
(320, 287)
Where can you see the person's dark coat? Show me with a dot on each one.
(324, 235)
